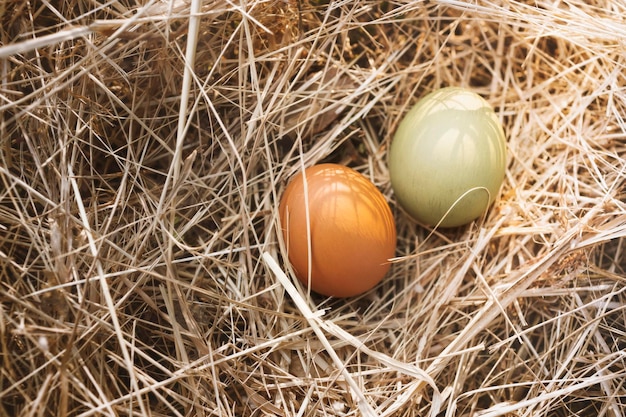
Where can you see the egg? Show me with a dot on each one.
(338, 230)
(447, 158)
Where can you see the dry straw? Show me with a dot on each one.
(145, 145)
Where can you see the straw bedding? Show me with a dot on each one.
(144, 148)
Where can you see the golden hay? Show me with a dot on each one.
(145, 144)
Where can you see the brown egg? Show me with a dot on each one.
(351, 230)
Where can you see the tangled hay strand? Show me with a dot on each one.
(144, 149)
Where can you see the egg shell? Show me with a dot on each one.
(448, 157)
(351, 228)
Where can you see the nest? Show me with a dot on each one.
(144, 148)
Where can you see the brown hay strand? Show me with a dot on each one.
(141, 271)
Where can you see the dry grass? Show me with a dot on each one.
(144, 146)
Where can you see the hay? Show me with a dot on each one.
(144, 150)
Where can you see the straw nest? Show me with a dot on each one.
(145, 146)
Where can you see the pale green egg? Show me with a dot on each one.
(447, 158)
